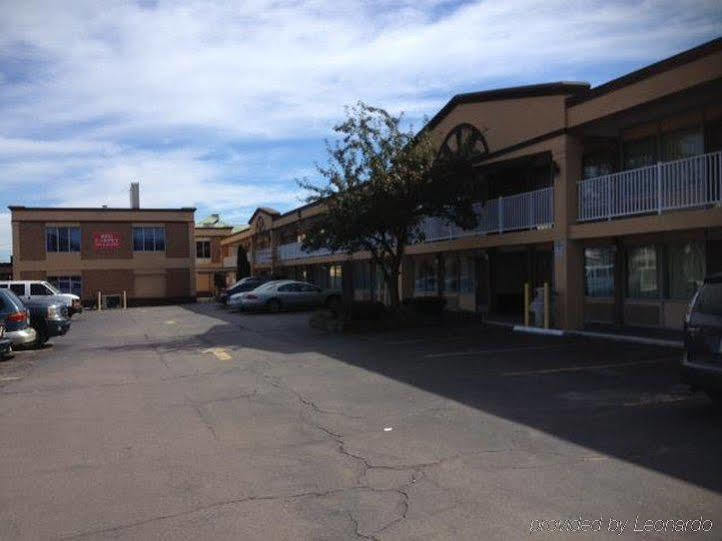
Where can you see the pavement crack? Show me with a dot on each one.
(216, 505)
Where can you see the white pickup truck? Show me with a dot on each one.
(33, 289)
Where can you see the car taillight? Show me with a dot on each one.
(18, 317)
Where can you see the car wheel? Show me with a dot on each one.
(274, 305)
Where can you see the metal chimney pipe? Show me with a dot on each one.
(135, 195)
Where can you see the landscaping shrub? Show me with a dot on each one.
(360, 310)
(431, 306)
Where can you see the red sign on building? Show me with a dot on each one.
(106, 241)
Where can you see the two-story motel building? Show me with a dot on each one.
(611, 194)
(142, 254)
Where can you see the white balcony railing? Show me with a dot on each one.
(294, 251)
(264, 256)
(679, 184)
(528, 210)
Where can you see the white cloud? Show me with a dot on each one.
(94, 95)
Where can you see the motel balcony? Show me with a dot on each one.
(679, 184)
(518, 212)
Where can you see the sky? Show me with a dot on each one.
(222, 105)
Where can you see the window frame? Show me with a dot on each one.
(72, 239)
(203, 244)
(144, 238)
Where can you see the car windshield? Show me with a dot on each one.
(709, 299)
(267, 285)
(52, 288)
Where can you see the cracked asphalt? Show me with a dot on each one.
(188, 422)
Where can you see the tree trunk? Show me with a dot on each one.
(394, 288)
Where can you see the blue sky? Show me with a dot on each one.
(223, 105)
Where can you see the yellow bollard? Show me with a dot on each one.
(547, 308)
(526, 304)
(125, 301)
(100, 306)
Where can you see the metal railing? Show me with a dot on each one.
(527, 210)
(679, 184)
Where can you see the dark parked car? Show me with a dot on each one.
(244, 284)
(702, 357)
(17, 319)
(6, 346)
(49, 318)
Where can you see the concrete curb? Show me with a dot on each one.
(677, 344)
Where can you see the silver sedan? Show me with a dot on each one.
(282, 294)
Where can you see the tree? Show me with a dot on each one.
(381, 183)
(243, 267)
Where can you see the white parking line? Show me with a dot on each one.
(490, 351)
(587, 367)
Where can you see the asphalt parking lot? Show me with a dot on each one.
(188, 422)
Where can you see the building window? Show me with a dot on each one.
(68, 284)
(425, 282)
(599, 272)
(640, 152)
(335, 278)
(451, 275)
(466, 275)
(686, 267)
(203, 249)
(62, 239)
(682, 144)
(642, 273)
(149, 239)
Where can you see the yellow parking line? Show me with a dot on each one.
(587, 367)
(220, 353)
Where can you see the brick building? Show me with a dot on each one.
(146, 253)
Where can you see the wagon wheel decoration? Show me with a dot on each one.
(464, 141)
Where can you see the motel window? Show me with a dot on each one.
(599, 271)
(642, 272)
(686, 268)
(425, 282)
(466, 275)
(598, 163)
(203, 249)
(68, 284)
(335, 278)
(62, 239)
(451, 275)
(682, 144)
(640, 152)
(149, 239)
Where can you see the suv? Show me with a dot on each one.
(702, 357)
(32, 289)
(17, 319)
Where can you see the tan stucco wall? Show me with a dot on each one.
(656, 86)
(507, 122)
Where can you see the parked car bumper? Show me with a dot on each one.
(707, 377)
(24, 337)
(6, 347)
(58, 328)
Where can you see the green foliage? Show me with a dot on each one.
(381, 183)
